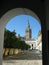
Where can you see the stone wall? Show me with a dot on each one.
(11, 51)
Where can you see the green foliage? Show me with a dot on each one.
(12, 41)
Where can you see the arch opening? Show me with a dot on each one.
(16, 12)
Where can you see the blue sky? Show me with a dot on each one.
(19, 23)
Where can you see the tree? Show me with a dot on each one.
(12, 41)
(9, 39)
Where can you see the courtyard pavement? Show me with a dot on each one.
(28, 57)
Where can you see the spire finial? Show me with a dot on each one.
(28, 25)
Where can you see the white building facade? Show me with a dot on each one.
(32, 43)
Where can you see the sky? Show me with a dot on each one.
(19, 24)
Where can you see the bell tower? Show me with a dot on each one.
(28, 32)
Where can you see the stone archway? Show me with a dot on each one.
(10, 14)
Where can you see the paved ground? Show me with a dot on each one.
(26, 55)
(22, 62)
(32, 57)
